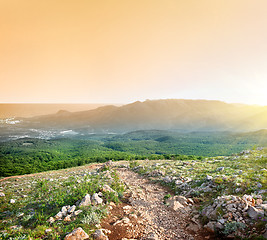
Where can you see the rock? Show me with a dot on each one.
(181, 199)
(178, 182)
(219, 226)
(71, 209)
(264, 206)
(134, 216)
(209, 178)
(222, 221)
(86, 201)
(156, 173)
(175, 205)
(99, 235)
(254, 213)
(51, 220)
(125, 221)
(210, 226)
(106, 231)
(190, 201)
(59, 215)
(64, 211)
(2, 194)
(212, 215)
(167, 179)
(193, 227)
(77, 234)
(12, 201)
(107, 188)
(76, 213)
(152, 236)
(96, 200)
(67, 218)
(20, 214)
(127, 209)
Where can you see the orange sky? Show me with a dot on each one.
(125, 50)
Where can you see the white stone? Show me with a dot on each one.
(86, 201)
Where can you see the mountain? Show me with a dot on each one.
(8, 110)
(170, 114)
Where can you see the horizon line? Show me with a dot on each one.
(125, 103)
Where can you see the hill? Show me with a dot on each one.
(171, 114)
(211, 198)
(8, 110)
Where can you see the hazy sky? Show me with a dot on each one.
(118, 51)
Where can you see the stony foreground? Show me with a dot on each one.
(219, 198)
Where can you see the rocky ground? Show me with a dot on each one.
(146, 214)
(158, 220)
(214, 198)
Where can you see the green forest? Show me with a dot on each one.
(31, 155)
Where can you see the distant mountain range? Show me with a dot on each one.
(8, 110)
(171, 114)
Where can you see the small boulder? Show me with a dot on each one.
(254, 213)
(167, 179)
(193, 227)
(64, 211)
(107, 188)
(175, 205)
(77, 234)
(152, 236)
(76, 213)
(86, 201)
(264, 206)
(67, 218)
(99, 235)
(181, 199)
(51, 220)
(96, 200)
(209, 178)
(59, 215)
(210, 226)
(72, 209)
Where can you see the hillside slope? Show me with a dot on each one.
(172, 114)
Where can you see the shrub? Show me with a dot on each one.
(231, 227)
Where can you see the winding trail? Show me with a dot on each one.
(161, 222)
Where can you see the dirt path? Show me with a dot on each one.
(160, 221)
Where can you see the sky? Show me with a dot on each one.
(118, 51)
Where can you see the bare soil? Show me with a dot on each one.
(154, 220)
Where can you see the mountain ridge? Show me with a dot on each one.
(168, 114)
